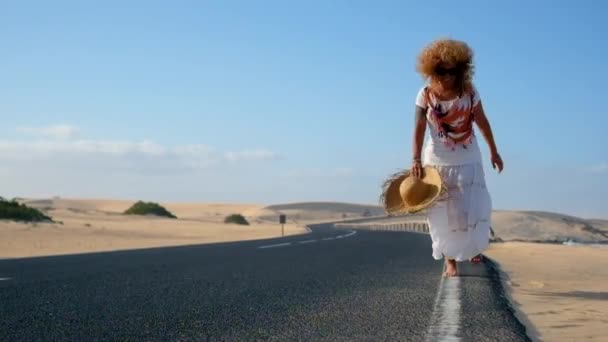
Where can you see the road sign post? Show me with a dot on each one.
(282, 219)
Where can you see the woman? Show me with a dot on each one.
(450, 104)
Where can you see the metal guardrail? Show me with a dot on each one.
(420, 227)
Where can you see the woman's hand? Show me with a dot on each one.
(416, 168)
(486, 130)
(496, 161)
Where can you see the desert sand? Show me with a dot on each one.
(83, 226)
(95, 225)
(559, 292)
(546, 226)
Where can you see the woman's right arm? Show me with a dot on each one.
(419, 131)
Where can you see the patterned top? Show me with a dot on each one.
(451, 122)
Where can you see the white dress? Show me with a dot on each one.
(459, 222)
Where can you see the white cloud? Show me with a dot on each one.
(38, 166)
(600, 168)
(194, 150)
(29, 149)
(251, 155)
(57, 132)
(143, 155)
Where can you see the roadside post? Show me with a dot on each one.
(282, 219)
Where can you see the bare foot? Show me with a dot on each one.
(476, 259)
(451, 269)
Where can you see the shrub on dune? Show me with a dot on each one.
(13, 210)
(148, 208)
(237, 219)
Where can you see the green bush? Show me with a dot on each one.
(148, 208)
(12, 210)
(236, 218)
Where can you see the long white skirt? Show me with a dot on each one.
(459, 222)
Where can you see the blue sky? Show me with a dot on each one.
(283, 101)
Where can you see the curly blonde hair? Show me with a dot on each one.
(447, 53)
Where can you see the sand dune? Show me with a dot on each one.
(203, 222)
(533, 226)
(324, 211)
(205, 211)
(337, 207)
(98, 225)
(86, 225)
(546, 226)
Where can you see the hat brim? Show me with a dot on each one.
(391, 196)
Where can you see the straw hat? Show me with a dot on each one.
(402, 193)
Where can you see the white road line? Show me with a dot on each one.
(1, 279)
(346, 235)
(310, 241)
(445, 321)
(350, 234)
(277, 245)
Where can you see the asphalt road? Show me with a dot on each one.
(362, 286)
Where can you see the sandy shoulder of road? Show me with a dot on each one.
(559, 292)
(94, 226)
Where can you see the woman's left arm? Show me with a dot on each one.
(486, 131)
